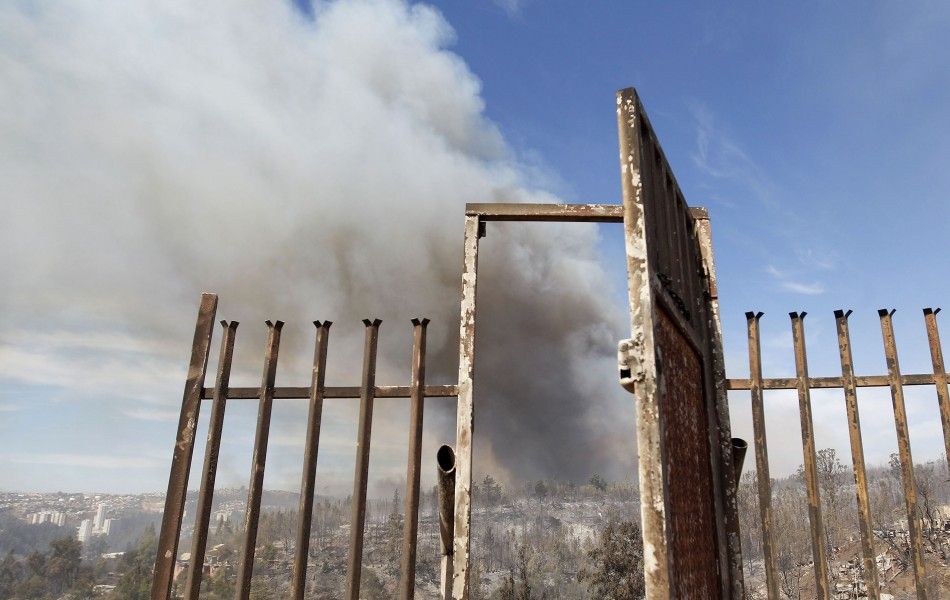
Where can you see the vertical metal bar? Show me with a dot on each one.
(761, 454)
(857, 455)
(358, 520)
(465, 419)
(637, 356)
(729, 473)
(818, 546)
(184, 448)
(416, 405)
(199, 538)
(940, 374)
(903, 447)
(311, 445)
(256, 488)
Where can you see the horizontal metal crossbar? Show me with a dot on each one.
(384, 391)
(590, 213)
(565, 213)
(791, 383)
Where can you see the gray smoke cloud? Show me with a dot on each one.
(302, 169)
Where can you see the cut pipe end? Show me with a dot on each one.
(445, 459)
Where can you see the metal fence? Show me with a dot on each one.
(219, 395)
(848, 382)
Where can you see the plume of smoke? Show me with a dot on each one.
(301, 168)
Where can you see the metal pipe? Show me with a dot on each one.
(445, 462)
(940, 374)
(818, 546)
(184, 449)
(256, 487)
(311, 446)
(739, 449)
(761, 454)
(903, 447)
(416, 406)
(361, 476)
(857, 456)
(199, 539)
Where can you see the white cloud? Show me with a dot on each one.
(798, 287)
(787, 282)
(513, 8)
(88, 461)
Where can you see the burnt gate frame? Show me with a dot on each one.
(674, 323)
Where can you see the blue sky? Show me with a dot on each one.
(815, 134)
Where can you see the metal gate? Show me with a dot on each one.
(219, 395)
(848, 383)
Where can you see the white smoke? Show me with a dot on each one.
(303, 168)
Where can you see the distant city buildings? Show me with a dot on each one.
(84, 532)
(99, 525)
(48, 516)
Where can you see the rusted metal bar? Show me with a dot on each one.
(903, 448)
(256, 487)
(465, 417)
(381, 391)
(739, 449)
(818, 546)
(311, 447)
(411, 519)
(361, 477)
(824, 383)
(199, 538)
(637, 357)
(940, 374)
(572, 213)
(763, 479)
(445, 462)
(857, 456)
(184, 449)
(730, 470)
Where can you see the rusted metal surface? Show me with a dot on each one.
(445, 476)
(857, 456)
(199, 538)
(311, 448)
(411, 527)
(817, 526)
(940, 374)
(638, 370)
(380, 391)
(903, 448)
(465, 418)
(825, 383)
(730, 472)
(692, 521)
(258, 461)
(571, 213)
(361, 476)
(184, 449)
(763, 479)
